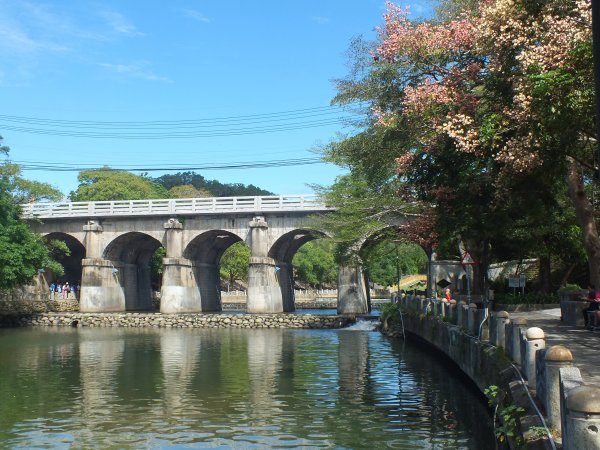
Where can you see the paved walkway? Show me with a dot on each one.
(583, 344)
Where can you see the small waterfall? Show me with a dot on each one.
(363, 325)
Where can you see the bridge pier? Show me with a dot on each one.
(179, 292)
(352, 291)
(101, 289)
(264, 292)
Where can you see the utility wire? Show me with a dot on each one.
(186, 123)
(174, 134)
(174, 129)
(53, 167)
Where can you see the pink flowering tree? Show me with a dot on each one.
(487, 117)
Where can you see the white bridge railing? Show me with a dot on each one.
(162, 207)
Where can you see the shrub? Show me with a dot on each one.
(530, 298)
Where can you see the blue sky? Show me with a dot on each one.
(181, 63)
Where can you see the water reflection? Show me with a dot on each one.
(353, 354)
(125, 388)
(179, 354)
(100, 356)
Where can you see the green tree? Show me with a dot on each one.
(22, 252)
(188, 191)
(234, 263)
(107, 184)
(214, 187)
(314, 263)
(473, 122)
(381, 260)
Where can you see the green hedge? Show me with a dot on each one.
(531, 298)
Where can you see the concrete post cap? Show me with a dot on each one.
(453, 302)
(584, 399)
(472, 305)
(502, 315)
(534, 333)
(558, 353)
(520, 321)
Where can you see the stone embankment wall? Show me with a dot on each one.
(157, 320)
(506, 353)
(38, 306)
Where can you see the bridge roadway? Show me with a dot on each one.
(112, 243)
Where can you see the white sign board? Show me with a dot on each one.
(517, 282)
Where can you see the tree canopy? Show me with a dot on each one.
(314, 264)
(22, 252)
(234, 263)
(476, 119)
(107, 184)
(213, 187)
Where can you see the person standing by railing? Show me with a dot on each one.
(594, 298)
(447, 295)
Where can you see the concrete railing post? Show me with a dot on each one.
(555, 358)
(435, 307)
(516, 325)
(463, 315)
(583, 419)
(472, 323)
(534, 341)
(498, 324)
(452, 309)
(439, 308)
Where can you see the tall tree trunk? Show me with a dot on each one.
(545, 272)
(587, 223)
(476, 249)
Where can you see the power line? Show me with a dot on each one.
(175, 135)
(253, 118)
(55, 167)
(178, 129)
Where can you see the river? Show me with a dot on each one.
(231, 388)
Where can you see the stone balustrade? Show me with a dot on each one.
(570, 406)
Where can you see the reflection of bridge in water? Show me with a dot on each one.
(112, 244)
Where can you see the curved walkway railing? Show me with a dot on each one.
(210, 205)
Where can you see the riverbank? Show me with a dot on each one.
(158, 320)
(22, 306)
(508, 356)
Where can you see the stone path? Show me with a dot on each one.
(583, 344)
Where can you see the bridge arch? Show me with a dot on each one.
(204, 252)
(282, 251)
(208, 247)
(71, 263)
(129, 255)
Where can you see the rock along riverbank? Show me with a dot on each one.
(158, 320)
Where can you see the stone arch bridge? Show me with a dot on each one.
(112, 243)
